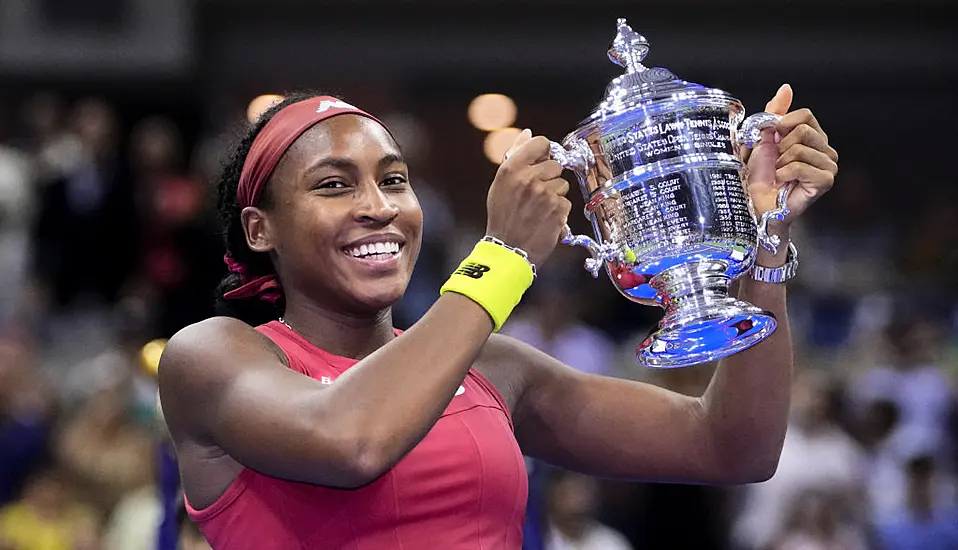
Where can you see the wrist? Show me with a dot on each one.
(775, 270)
(514, 249)
(494, 276)
(766, 258)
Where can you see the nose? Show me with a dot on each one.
(375, 206)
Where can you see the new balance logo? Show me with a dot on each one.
(326, 105)
(473, 270)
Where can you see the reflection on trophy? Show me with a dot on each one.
(673, 222)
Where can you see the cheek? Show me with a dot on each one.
(411, 220)
(307, 235)
(411, 209)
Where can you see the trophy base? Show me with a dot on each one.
(702, 322)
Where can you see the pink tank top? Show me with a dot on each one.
(464, 487)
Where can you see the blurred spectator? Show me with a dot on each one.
(26, 416)
(817, 456)
(813, 524)
(847, 257)
(135, 521)
(913, 380)
(885, 477)
(17, 203)
(47, 517)
(179, 249)
(924, 524)
(56, 149)
(106, 454)
(928, 255)
(572, 515)
(86, 232)
(119, 368)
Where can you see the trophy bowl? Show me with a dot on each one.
(673, 223)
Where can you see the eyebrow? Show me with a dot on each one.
(347, 164)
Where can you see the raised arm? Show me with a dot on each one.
(223, 384)
(731, 434)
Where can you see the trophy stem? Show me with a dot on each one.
(702, 322)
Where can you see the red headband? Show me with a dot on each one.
(268, 148)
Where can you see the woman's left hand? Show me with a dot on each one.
(795, 152)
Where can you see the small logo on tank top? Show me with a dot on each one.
(461, 390)
(326, 380)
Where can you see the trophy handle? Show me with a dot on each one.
(772, 242)
(750, 133)
(578, 157)
(601, 252)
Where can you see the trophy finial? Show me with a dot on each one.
(629, 48)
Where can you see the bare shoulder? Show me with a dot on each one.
(200, 358)
(210, 346)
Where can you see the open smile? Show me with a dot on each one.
(376, 254)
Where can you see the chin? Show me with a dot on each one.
(379, 296)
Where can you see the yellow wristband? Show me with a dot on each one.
(493, 277)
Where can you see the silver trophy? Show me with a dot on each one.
(673, 223)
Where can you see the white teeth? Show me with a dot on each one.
(374, 248)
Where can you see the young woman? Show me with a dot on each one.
(305, 420)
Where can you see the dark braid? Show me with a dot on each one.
(251, 310)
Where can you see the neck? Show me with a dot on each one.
(346, 335)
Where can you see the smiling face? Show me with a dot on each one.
(343, 224)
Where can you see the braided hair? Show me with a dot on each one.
(250, 310)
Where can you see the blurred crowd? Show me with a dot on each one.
(108, 242)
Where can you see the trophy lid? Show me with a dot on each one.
(640, 84)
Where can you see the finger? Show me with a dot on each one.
(743, 153)
(531, 152)
(808, 155)
(781, 102)
(548, 170)
(805, 135)
(796, 118)
(523, 137)
(563, 207)
(559, 186)
(814, 180)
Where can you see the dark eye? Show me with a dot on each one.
(330, 185)
(396, 180)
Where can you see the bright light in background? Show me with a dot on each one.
(150, 356)
(498, 142)
(492, 112)
(260, 104)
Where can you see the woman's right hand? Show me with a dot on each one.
(527, 207)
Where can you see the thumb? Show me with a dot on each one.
(780, 104)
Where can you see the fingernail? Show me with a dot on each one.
(778, 137)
